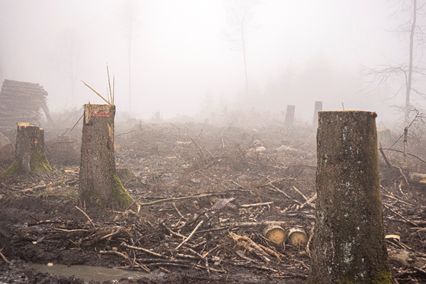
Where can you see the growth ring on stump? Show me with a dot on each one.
(100, 185)
(348, 243)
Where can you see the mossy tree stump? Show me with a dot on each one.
(348, 244)
(30, 157)
(99, 184)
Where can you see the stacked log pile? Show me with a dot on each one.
(21, 101)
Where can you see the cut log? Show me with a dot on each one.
(100, 185)
(275, 234)
(297, 237)
(418, 179)
(348, 242)
(30, 156)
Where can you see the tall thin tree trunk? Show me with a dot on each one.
(244, 51)
(129, 51)
(410, 63)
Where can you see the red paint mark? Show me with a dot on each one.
(101, 114)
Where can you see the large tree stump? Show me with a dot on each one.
(30, 156)
(100, 185)
(348, 244)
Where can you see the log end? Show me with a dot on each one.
(275, 234)
(297, 237)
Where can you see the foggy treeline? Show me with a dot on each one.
(204, 57)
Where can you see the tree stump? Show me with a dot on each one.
(348, 243)
(100, 185)
(30, 156)
(317, 109)
(289, 115)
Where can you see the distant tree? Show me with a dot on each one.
(240, 17)
(410, 68)
(130, 7)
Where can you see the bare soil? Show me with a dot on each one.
(201, 181)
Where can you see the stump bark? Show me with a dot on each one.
(348, 243)
(30, 156)
(100, 185)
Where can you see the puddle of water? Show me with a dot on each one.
(88, 273)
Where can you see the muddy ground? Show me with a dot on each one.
(223, 184)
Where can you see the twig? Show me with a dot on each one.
(256, 204)
(72, 128)
(109, 86)
(71, 230)
(126, 257)
(399, 215)
(384, 157)
(4, 257)
(96, 92)
(190, 235)
(85, 214)
(309, 202)
(308, 250)
(403, 175)
(304, 197)
(177, 210)
(113, 89)
(171, 199)
(143, 249)
(408, 154)
(282, 192)
(113, 233)
(253, 224)
(173, 232)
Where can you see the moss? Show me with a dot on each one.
(39, 163)
(384, 277)
(120, 195)
(11, 170)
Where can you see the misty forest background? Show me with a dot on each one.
(196, 57)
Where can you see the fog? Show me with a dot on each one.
(186, 57)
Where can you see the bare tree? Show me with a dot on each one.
(405, 71)
(241, 14)
(410, 61)
(130, 8)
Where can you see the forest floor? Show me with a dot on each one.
(204, 196)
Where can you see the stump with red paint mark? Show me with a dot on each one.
(348, 243)
(100, 186)
(30, 156)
